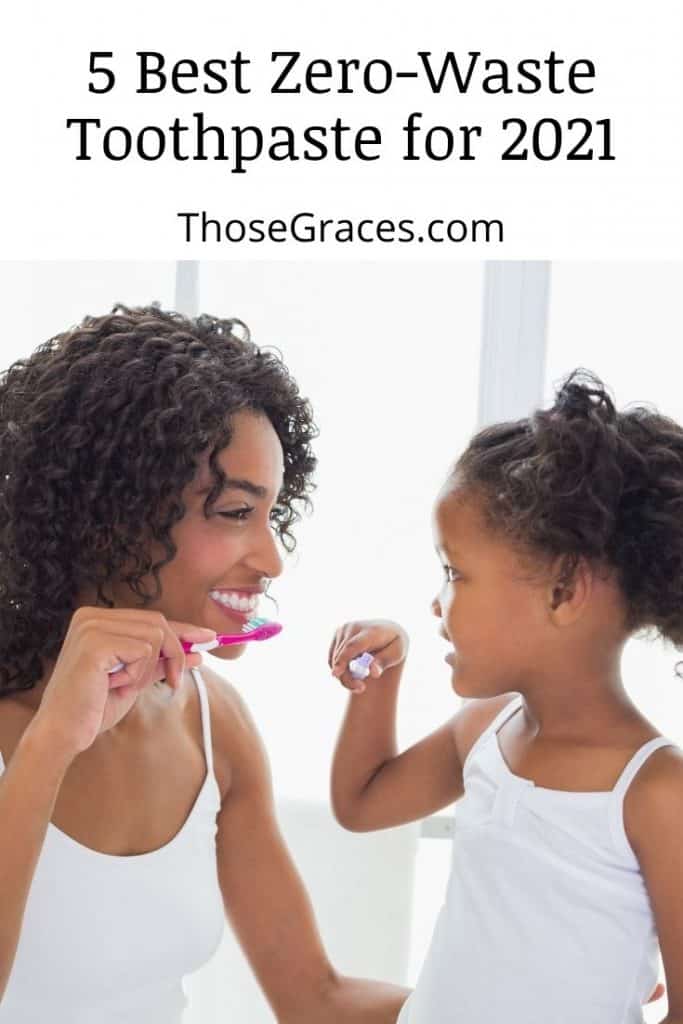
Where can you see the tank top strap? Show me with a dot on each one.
(635, 764)
(616, 805)
(206, 718)
(492, 728)
(511, 708)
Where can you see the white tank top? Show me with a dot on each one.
(546, 918)
(108, 939)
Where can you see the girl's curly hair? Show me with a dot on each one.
(581, 480)
(101, 429)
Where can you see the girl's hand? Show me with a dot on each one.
(386, 641)
(82, 698)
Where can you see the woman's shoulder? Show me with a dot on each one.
(15, 716)
(238, 750)
(228, 709)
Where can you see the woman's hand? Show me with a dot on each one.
(386, 641)
(83, 698)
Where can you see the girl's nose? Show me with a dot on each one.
(436, 608)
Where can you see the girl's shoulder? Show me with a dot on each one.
(654, 796)
(474, 718)
(653, 821)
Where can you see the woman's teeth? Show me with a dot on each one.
(232, 599)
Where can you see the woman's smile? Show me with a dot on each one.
(235, 606)
(240, 603)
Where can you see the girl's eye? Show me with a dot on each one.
(451, 573)
(240, 514)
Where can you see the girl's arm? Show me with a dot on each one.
(265, 898)
(28, 791)
(373, 786)
(653, 819)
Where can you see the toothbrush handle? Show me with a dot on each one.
(359, 667)
(197, 648)
(222, 640)
(191, 648)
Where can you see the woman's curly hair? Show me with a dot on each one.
(101, 429)
(581, 480)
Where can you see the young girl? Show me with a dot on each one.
(148, 464)
(560, 536)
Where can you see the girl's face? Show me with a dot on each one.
(491, 610)
(224, 562)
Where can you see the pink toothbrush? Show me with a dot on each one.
(253, 629)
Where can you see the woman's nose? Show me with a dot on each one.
(266, 556)
(436, 608)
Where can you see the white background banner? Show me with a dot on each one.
(567, 199)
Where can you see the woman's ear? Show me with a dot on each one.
(571, 584)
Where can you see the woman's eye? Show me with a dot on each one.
(450, 573)
(240, 514)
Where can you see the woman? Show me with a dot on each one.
(148, 466)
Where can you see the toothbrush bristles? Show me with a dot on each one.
(253, 624)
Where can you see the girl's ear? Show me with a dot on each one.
(571, 584)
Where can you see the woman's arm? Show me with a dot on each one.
(28, 791)
(264, 896)
(653, 818)
(82, 699)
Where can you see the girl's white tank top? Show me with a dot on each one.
(107, 939)
(546, 918)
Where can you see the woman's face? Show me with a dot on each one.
(225, 560)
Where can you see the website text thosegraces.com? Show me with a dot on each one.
(306, 228)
